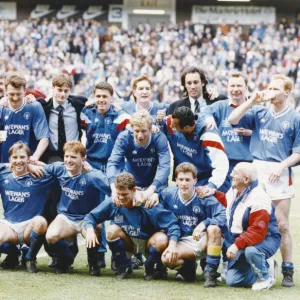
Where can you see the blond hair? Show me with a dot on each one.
(287, 82)
(141, 118)
(18, 146)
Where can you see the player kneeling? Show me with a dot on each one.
(201, 222)
(82, 191)
(135, 229)
(23, 200)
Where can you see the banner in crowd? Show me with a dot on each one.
(244, 15)
(67, 11)
(94, 12)
(41, 10)
(70, 11)
(116, 13)
(8, 10)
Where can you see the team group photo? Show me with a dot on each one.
(149, 149)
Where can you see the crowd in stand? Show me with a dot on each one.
(93, 52)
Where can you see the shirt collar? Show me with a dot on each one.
(55, 104)
(231, 104)
(20, 176)
(20, 108)
(194, 100)
(111, 110)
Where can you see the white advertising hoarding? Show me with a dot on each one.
(8, 10)
(244, 15)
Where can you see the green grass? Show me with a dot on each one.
(18, 284)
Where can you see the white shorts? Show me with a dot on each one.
(283, 189)
(139, 246)
(78, 226)
(18, 228)
(189, 242)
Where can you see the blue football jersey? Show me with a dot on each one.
(137, 222)
(101, 133)
(150, 165)
(23, 197)
(80, 193)
(204, 149)
(237, 146)
(194, 211)
(130, 108)
(28, 124)
(274, 136)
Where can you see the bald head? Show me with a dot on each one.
(248, 169)
(243, 175)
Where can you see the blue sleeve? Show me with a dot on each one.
(248, 120)
(101, 182)
(215, 213)
(296, 144)
(55, 169)
(213, 110)
(116, 160)
(163, 168)
(163, 200)
(166, 221)
(40, 125)
(4, 171)
(98, 215)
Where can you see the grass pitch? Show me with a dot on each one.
(18, 284)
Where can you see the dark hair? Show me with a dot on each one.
(104, 86)
(203, 78)
(185, 116)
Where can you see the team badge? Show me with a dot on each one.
(82, 182)
(119, 218)
(28, 182)
(6, 181)
(262, 224)
(96, 120)
(285, 124)
(263, 120)
(196, 209)
(26, 115)
(108, 121)
(175, 206)
(152, 150)
(134, 152)
(6, 117)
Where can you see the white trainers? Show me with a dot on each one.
(260, 285)
(266, 284)
(272, 269)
